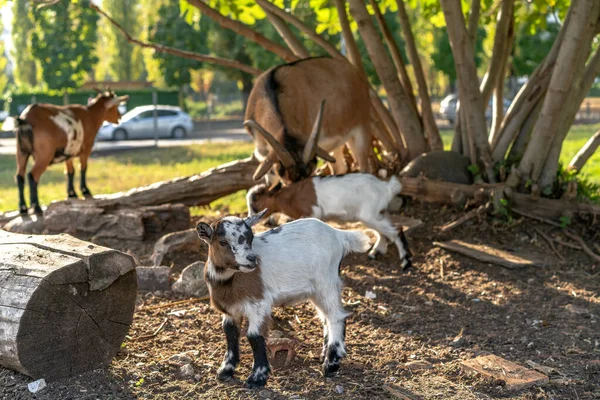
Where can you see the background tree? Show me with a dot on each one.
(63, 42)
(25, 69)
(3, 64)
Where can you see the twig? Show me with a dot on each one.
(584, 246)
(567, 244)
(551, 243)
(467, 217)
(597, 247)
(156, 332)
(178, 52)
(176, 303)
(541, 219)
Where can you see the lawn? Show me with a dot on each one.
(123, 171)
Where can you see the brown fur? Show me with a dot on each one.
(295, 200)
(240, 287)
(302, 86)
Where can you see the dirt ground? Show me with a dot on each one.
(549, 315)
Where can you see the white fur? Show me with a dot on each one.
(72, 128)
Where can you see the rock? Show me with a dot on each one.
(187, 240)
(182, 359)
(419, 365)
(191, 282)
(36, 386)
(26, 224)
(446, 166)
(495, 368)
(572, 308)
(339, 389)
(265, 394)
(153, 278)
(187, 371)
(395, 205)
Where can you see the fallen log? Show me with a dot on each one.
(456, 194)
(490, 254)
(65, 304)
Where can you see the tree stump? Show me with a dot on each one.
(65, 304)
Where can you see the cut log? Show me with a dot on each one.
(65, 304)
(490, 254)
(86, 220)
(495, 368)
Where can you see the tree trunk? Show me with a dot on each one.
(585, 153)
(470, 96)
(247, 86)
(243, 30)
(497, 63)
(288, 36)
(520, 143)
(431, 129)
(353, 53)
(568, 73)
(405, 117)
(396, 56)
(498, 104)
(473, 23)
(65, 305)
(572, 105)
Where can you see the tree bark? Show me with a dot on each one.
(568, 73)
(396, 56)
(572, 105)
(243, 30)
(473, 23)
(498, 103)
(431, 129)
(405, 118)
(65, 305)
(288, 36)
(389, 122)
(520, 144)
(501, 42)
(585, 153)
(178, 52)
(469, 93)
(353, 53)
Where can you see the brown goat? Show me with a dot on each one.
(290, 129)
(52, 134)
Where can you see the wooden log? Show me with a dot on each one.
(65, 304)
(445, 193)
(490, 254)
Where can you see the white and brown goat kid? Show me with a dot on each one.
(290, 129)
(53, 134)
(247, 275)
(345, 198)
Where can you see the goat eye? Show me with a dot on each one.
(223, 243)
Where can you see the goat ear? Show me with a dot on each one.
(254, 218)
(204, 231)
(116, 101)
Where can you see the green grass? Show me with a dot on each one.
(576, 138)
(124, 171)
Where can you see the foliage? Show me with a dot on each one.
(586, 188)
(25, 68)
(3, 63)
(124, 58)
(63, 42)
(531, 47)
(442, 52)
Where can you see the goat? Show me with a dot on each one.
(283, 105)
(347, 198)
(53, 134)
(295, 262)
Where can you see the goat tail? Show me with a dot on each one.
(24, 132)
(394, 186)
(355, 242)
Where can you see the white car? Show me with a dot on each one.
(448, 108)
(138, 123)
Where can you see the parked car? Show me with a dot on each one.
(3, 115)
(139, 124)
(448, 108)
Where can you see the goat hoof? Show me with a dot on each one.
(86, 193)
(37, 210)
(407, 264)
(330, 368)
(72, 195)
(23, 210)
(258, 378)
(225, 374)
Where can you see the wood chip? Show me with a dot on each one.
(515, 376)
(400, 393)
(490, 254)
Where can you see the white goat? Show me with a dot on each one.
(295, 262)
(346, 198)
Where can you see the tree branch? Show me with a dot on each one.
(243, 30)
(287, 35)
(585, 153)
(473, 23)
(353, 53)
(177, 52)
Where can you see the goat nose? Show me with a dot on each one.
(251, 258)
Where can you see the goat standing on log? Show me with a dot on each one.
(345, 198)
(52, 134)
(284, 104)
(247, 275)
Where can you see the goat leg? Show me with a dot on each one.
(83, 185)
(232, 357)
(70, 188)
(260, 369)
(33, 194)
(21, 186)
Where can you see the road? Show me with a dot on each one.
(201, 134)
